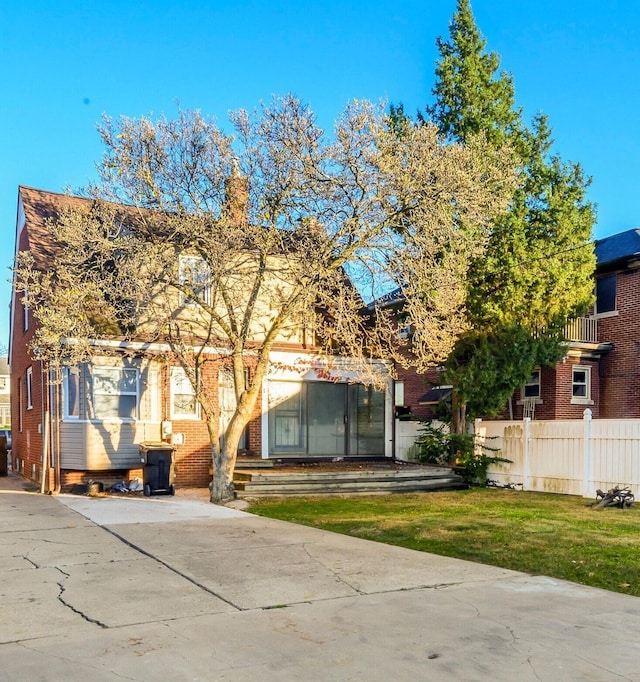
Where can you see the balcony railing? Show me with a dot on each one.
(582, 330)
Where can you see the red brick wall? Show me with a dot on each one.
(620, 368)
(193, 458)
(27, 441)
(556, 389)
(415, 386)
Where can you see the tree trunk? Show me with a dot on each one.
(224, 459)
(458, 414)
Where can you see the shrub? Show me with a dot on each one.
(436, 445)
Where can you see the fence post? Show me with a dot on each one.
(527, 463)
(477, 442)
(587, 485)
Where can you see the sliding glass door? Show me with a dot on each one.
(322, 419)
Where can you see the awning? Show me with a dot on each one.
(434, 395)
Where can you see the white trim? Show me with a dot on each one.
(601, 316)
(151, 347)
(29, 387)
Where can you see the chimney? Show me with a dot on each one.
(236, 205)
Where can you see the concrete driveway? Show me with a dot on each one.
(176, 589)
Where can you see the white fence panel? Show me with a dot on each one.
(555, 463)
(616, 453)
(406, 434)
(573, 457)
(504, 439)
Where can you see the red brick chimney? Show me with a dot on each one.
(237, 197)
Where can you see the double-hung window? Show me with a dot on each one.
(71, 389)
(532, 387)
(115, 392)
(581, 385)
(195, 275)
(183, 396)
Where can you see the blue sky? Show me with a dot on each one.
(64, 64)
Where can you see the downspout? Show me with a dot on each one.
(394, 452)
(56, 407)
(44, 399)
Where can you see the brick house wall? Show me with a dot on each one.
(620, 368)
(192, 458)
(27, 438)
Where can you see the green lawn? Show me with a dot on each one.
(540, 534)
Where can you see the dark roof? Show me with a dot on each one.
(389, 298)
(617, 247)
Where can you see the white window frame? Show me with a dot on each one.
(179, 381)
(29, 383)
(581, 399)
(67, 372)
(95, 373)
(194, 271)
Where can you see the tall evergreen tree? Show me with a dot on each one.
(537, 270)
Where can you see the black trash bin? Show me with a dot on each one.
(4, 465)
(158, 472)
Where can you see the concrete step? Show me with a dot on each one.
(254, 463)
(413, 479)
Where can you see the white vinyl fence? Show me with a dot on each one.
(405, 436)
(574, 457)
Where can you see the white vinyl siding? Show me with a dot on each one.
(106, 445)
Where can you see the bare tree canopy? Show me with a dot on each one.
(239, 242)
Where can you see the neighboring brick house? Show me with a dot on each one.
(601, 368)
(310, 407)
